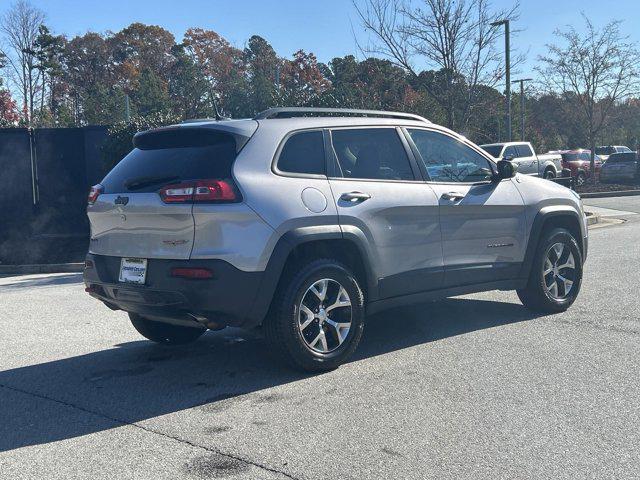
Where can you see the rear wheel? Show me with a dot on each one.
(164, 333)
(581, 178)
(556, 274)
(549, 174)
(317, 318)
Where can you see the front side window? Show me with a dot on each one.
(510, 152)
(524, 150)
(449, 160)
(303, 153)
(371, 153)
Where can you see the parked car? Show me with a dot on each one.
(304, 220)
(579, 162)
(620, 167)
(604, 151)
(523, 155)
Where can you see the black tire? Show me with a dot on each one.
(549, 174)
(581, 178)
(536, 296)
(282, 324)
(165, 333)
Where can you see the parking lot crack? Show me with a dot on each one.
(153, 431)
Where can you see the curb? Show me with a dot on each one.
(592, 218)
(621, 193)
(41, 268)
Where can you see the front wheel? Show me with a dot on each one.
(317, 320)
(165, 333)
(549, 174)
(556, 274)
(581, 178)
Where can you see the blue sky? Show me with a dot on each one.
(324, 27)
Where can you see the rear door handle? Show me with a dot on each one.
(355, 197)
(453, 196)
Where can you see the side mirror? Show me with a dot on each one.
(506, 169)
(508, 158)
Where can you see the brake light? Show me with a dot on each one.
(94, 193)
(206, 191)
(196, 273)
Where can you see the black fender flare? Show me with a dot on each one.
(537, 228)
(283, 248)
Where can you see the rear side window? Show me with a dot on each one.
(371, 153)
(172, 156)
(524, 150)
(303, 153)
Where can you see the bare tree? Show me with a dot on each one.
(453, 37)
(600, 68)
(21, 27)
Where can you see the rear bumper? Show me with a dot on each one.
(226, 299)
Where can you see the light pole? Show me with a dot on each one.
(507, 60)
(521, 82)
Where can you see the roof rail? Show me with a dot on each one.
(288, 112)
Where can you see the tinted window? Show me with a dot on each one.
(371, 153)
(510, 152)
(524, 150)
(622, 158)
(605, 150)
(449, 160)
(169, 157)
(303, 153)
(493, 150)
(585, 156)
(570, 157)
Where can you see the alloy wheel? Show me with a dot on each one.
(324, 318)
(559, 271)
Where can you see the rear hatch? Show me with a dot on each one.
(143, 207)
(622, 163)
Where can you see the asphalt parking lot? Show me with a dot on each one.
(471, 387)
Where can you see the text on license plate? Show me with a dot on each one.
(133, 270)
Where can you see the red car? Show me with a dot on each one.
(579, 162)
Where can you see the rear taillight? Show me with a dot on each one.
(195, 273)
(94, 193)
(197, 191)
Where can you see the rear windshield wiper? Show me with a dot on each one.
(141, 182)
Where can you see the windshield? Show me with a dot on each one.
(493, 150)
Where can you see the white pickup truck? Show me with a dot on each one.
(522, 154)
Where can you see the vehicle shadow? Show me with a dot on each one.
(139, 380)
(46, 280)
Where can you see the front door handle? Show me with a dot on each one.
(355, 197)
(453, 196)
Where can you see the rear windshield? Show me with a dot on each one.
(493, 150)
(622, 158)
(571, 157)
(168, 157)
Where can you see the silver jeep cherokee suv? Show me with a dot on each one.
(303, 221)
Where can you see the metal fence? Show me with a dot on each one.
(45, 175)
